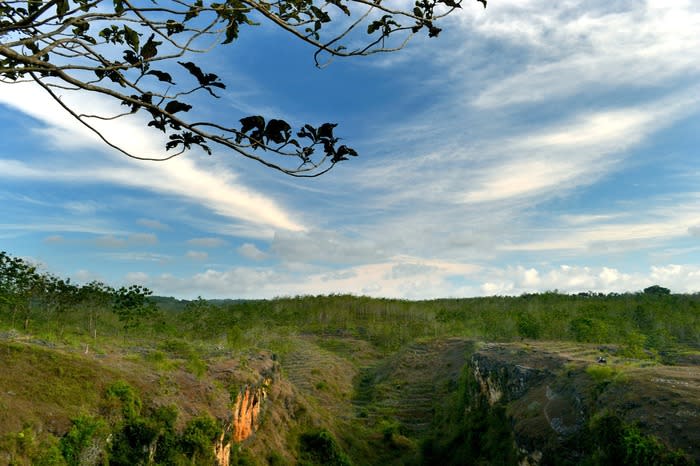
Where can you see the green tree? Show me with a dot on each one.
(94, 298)
(138, 54)
(132, 306)
(20, 283)
(657, 290)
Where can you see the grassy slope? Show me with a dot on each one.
(372, 372)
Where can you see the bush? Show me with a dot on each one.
(198, 439)
(320, 448)
(83, 440)
(618, 443)
(528, 326)
(120, 393)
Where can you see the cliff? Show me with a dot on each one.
(248, 404)
(553, 397)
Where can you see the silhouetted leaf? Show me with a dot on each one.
(251, 122)
(173, 27)
(326, 130)
(340, 5)
(175, 106)
(194, 70)
(130, 57)
(193, 12)
(278, 131)
(162, 76)
(345, 150)
(132, 38)
(308, 131)
(231, 32)
(149, 49)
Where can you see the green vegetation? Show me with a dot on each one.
(472, 432)
(376, 381)
(320, 448)
(613, 442)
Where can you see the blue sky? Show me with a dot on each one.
(533, 146)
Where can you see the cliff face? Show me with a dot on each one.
(551, 395)
(247, 409)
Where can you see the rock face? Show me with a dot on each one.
(245, 419)
(246, 411)
(550, 397)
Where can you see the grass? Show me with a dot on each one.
(372, 372)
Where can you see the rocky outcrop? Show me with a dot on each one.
(245, 419)
(551, 394)
(247, 410)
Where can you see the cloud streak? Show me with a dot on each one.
(214, 187)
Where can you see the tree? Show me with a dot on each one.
(137, 54)
(657, 290)
(133, 306)
(19, 284)
(95, 296)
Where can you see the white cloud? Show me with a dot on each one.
(572, 279)
(152, 224)
(210, 185)
(54, 239)
(82, 207)
(324, 247)
(197, 255)
(206, 242)
(138, 239)
(135, 239)
(250, 251)
(373, 279)
(136, 278)
(576, 48)
(138, 257)
(110, 241)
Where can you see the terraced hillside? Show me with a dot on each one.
(380, 405)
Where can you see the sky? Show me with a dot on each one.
(533, 146)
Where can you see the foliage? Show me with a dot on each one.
(198, 437)
(473, 432)
(643, 325)
(656, 290)
(138, 55)
(615, 442)
(132, 306)
(83, 440)
(635, 325)
(122, 396)
(320, 448)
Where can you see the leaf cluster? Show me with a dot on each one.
(128, 52)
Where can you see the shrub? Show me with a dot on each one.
(83, 439)
(198, 439)
(320, 448)
(120, 393)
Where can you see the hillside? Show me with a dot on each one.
(380, 407)
(93, 375)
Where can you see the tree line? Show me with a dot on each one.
(26, 294)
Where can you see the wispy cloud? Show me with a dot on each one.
(197, 255)
(152, 224)
(210, 184)
(132, 240)
(206, 242)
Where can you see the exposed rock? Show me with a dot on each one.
(247, 409)
(549, 398)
